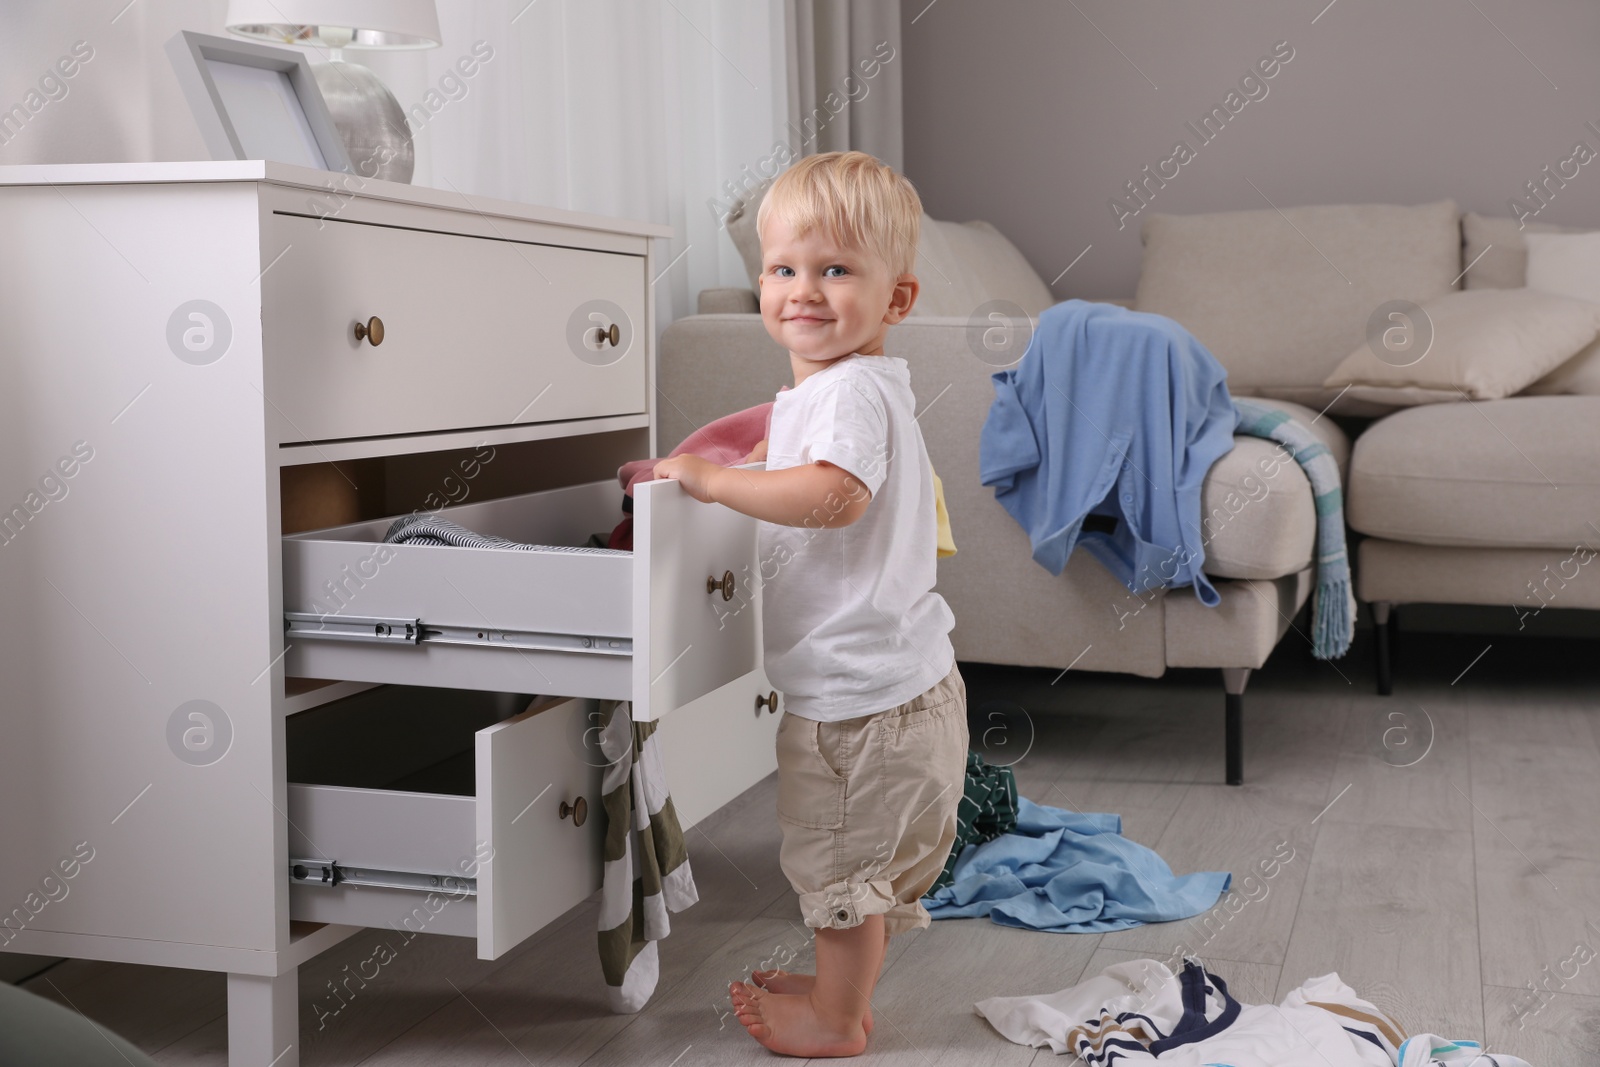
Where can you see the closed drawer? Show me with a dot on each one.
(720, 745)
(481, 842)
(645, 626)
(476, 332)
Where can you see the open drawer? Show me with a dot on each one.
(407, 812)
(662, 625)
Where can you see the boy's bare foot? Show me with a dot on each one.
(789, 1023)
(781, 981)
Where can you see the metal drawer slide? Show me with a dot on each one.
(395, 631)
(331, 873)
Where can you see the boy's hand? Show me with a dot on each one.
(758, 453)
(691, 472)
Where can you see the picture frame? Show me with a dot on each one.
(255, 101)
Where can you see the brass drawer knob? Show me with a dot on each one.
(371, 330)
(612, 335)
(726, 585)
(578, 809)
(770, 702)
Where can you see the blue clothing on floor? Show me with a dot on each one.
(1116, 413)
(1069, 872)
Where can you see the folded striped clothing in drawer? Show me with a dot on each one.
(423, 530)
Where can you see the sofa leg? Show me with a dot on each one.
(1381, 610)
(1233, 683)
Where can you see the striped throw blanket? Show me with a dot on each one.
(635, 897)
(422, 529)
(1333, 610)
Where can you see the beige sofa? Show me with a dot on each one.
(1494, 502)
(1280, 299)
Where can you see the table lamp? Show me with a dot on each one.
(370, 120)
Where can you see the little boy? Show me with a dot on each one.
(872, 745)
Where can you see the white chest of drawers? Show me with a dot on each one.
(179, 361)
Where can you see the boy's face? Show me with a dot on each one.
(823, 302)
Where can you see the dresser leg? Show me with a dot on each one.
(264, 1020)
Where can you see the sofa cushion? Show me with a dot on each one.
(1001, 270)
(1567, 263)
(1258, 518)
(1525, 579)
(1578, 376)
(1280, 297)
(960, 265)
(729, 301)
(740, 222)
(1494, 253)
(950, 286)
(1484, 344)
(1516, 473)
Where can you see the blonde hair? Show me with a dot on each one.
(854, 199)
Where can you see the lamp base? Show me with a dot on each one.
(370, 120)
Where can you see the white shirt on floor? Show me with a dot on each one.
(1141, 1012)
(851, 623)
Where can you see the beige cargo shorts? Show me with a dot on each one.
(868, 807)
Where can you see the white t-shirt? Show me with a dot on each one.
(851, 623)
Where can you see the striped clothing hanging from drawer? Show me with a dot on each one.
(635, 898)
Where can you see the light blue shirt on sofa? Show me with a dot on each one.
(1110, 412)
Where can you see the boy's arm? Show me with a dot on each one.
(815, 494)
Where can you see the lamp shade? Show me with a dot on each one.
(337, 23)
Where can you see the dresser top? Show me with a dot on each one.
(327, 182)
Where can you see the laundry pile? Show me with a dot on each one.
(1140, 1012)
(1070, 872)
(988, 809)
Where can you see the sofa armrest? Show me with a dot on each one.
(728, 302)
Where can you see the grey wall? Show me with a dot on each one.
(1022, 113)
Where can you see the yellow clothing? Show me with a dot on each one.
(947, 545)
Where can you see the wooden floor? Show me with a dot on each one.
(1446, 854)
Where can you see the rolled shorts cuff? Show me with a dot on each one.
(843, 905)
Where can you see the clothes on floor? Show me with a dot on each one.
(431, 530)
(867, 806)
(1070, 872)
(1140, 1012)
(1333, 611)
(637, 892)
(1117, 413)
(850, 621)
(988, 809)
(1431, 1050)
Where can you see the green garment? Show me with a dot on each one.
(988, 809)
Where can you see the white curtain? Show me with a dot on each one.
(634, 108)
(659, 110)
